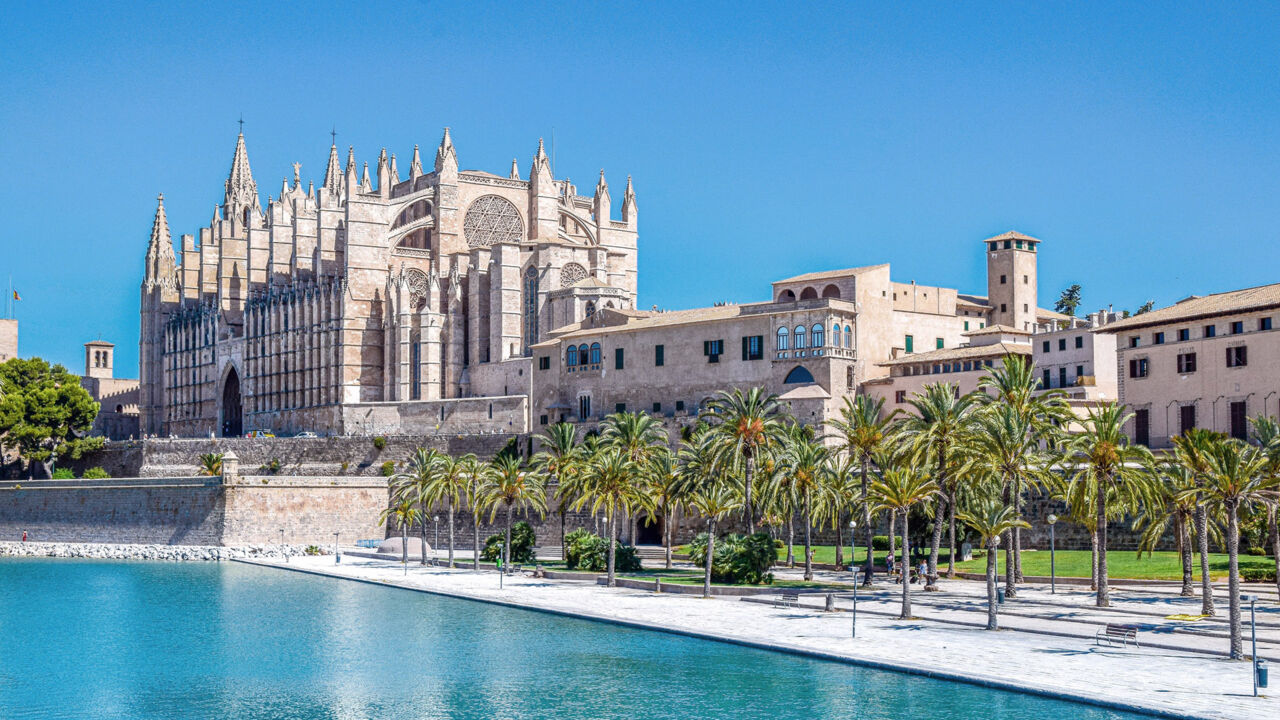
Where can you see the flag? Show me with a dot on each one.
(16, 296)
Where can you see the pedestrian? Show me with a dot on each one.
(24, 536)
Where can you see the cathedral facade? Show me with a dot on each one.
(375, 303)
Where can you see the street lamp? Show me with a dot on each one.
(436, 544)
(1253, 630)
(501, 570)
(854, 624)
(1053, 580)
(337, 556)
(283, 551)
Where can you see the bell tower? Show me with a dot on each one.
(1011, 280)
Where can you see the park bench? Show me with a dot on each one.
(787, 600)
(1112, 634)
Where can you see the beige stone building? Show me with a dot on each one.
(376, 302)
(962, 366)
(117, 398)
(1208, 361)
(8, 339)
(821, 336)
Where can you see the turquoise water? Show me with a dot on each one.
(99, 640)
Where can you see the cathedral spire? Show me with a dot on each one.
(350, 171)
(241, 190)
(415, 165)
(446, 155)
(629, 203)
(395, 173)
(161, 264)
(602, 187)
(333, 172)
(515, 169)
(602, 201)
(365, 184)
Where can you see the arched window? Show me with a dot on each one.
(817, 335)
(595, 353)
(831, 291)
(571, 356)
(848, 337)
(583, 357)
(786, 296)
(782, 338)
(798, 374)
(835, 335)
(799, 333)
(808, 294)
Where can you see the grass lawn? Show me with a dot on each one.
(1120, 564)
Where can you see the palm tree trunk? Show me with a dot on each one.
(906, 571)
(932, 585)
(791, 539)
(1017, 532)
(613, 542)
(506, 547)
(711, 550)
(748, 469)
(1100, 506)
(1010, 589)
(475, 537)
(422, 524)
(449, 500)
(808, 537)
(893, 535)
(1184, 552)
(1093, 560)
(1202, 539)
(666, 533)
(839, 541)
(404, 544)
(868, 531)
(1274, 524)
(951, 540)
(992, 550)
(1233, 580)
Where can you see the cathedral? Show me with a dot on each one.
(376, 302)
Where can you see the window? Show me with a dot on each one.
(848, 337)
(1237, 327)
(1264, 323)
(1026, 279)
(1237, 356)
(1062, 376)
(1187, 362)
(1239, 420)
(713, 349)
(938, 343)
(1003, 279)
(966, 326)
(584, 355)
(835, 335)
(595, 353)
(1062, 343)
(657, 408)
(1210, 331)
(1079, 342)
(618, 362)
(544, 363)
(753, 347)
(1186, 418)
(1142, 426)
(1138, 368)
(1048, 379)
(1134, 340)
(993, 246)
(1003, 307)
(542, 419)
(1157, 339)
(782, 338)
(571, 356)
(798, 374)
(900, 396)
(679, 406)
(584, 406)
(911, 344)
(799, 335)
(817, 336)
(1079, 372)
(659, 355)
(1046, 346)
(1184, 334)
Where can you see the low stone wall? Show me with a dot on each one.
(482, 415)
(257, 508)
(113, 551)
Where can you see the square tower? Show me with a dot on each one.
(1011, 280)
(99, 358)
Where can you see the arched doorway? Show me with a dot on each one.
(648, 530)
(232, 422)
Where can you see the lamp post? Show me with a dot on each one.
(501, 570)
(337, 556)
(283, 551)
(1253, 630)
(1053, 574)
(436, 520)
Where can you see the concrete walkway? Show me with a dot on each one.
(1174, 682)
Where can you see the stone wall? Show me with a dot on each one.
(309, 510)
(484, 415)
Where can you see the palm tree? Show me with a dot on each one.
(640, 436)
(1266, 432)
(449, 483)
(804, 461)
(1166, 505)
(991, 519)
(745, 423)
(1101, 455)
(942, 418)
(559, 454)
(1235, 479)
(416, 481)
(404, 511)
(861, 433)
(667, 489)
(511, 485)
(476, 475)
(840, 492)
(611, 486)
(899, 489)
(713, 501)
(211, 464)
(1191, 449)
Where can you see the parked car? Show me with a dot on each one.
(259, 434)
(306, 434)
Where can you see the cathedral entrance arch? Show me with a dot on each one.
(232, 414)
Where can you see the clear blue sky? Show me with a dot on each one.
(764, 140)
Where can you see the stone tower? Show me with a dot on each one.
(159, 298)
(99, 359)
(1011, 280)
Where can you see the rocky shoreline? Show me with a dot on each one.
(111, 551)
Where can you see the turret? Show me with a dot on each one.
(446, 157)
(600, 205)
(241, 191)
(384, 175)
(515, 170)
(395, 173)
(1011, 280)
(415, 165)
(543, 197)
(161, 266)
(629, 205)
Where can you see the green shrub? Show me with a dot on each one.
(95, 473)
(1258, 574)
(379, 442)
(1256, 550)
(879, 542)
(779, 544)
(739, 559)
(522, 541)
(388, 469)
(63, 474)
(588, 551)
(312, 550)
(271, 467)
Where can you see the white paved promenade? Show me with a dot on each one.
(1167, 681)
